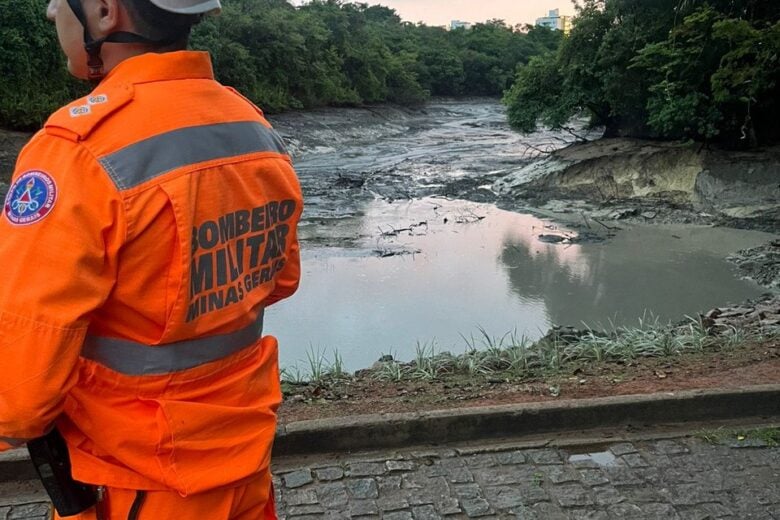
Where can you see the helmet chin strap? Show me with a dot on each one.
(93, 46)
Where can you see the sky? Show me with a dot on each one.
(442, 12)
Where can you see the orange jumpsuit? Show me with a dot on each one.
(146, 228)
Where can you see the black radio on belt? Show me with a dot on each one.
(51, 459)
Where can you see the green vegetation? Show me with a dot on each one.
(33, 77)
(324, 53)
(707, 70)
(514, 357)
(762, 436)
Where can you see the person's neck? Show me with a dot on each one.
(113, 54)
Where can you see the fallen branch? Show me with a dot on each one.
(611, 228)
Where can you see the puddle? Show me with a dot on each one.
(453, 266)
(602, 458)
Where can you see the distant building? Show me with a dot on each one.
(555, 21)
(458, 24)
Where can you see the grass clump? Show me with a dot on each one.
(769, 437)
(512, 356)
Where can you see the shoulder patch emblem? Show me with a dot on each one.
(97, 99)
(80, 110)
(30, 198)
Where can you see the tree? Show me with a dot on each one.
(33, 79)
(669, 69)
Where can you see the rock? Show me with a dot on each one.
(624, 214)
(552, 239)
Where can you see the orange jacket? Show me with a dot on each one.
(146, 228)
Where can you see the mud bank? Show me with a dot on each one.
(642, 180)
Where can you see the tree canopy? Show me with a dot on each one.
(707, 70)
(327, 52)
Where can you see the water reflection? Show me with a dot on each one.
(668, 271)
(475, 265)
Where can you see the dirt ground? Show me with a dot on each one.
(752, 364)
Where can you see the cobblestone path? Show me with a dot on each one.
(684, 479)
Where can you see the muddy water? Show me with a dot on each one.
(403, 244)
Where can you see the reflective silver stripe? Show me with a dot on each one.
(136, 359)
(14, 442)
(155, 156)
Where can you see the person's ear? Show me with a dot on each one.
(106, 17)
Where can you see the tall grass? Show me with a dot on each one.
(515, 356)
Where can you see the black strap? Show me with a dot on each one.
(93, 46)
(135, 509)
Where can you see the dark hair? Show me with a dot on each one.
(160, 25)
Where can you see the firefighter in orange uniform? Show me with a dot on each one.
(146, 228)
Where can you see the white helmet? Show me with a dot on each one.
(188, 6)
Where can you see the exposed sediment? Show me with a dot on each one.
(734, 188)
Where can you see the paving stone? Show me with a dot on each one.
(560, 474)
(607, 496)
(679, 475)
(509, 497)
(548, 511)
(482, 460)
(625, 512)
(584, 514)
(296, 479)
(418, 497)
(646, 493)
(449, 506)
(623, 448)
(28, 511)
(669, 447)
(312, 509)
(467, 490)
(326, 474)
(593, 477)
(333, 494)
(524, 513)
(424, 513)
(397, 515)
(511, 457)
(363, 508)
(634, 460)
(622, 476)
(460, 476)
(475, 507)
(389, 484)
(392, 502)
(544, 456)
(363, 488)
(488, 476)
(658, 460)
(400, 465)
(571, 495)
(367, 469)
(299, 497)
(691, 494)
(652, 477)
(659, 512)
(712, 510)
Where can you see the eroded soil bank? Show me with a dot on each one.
(652, 181)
